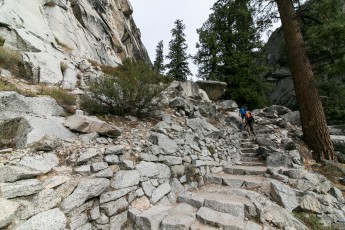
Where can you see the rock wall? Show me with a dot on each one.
(73, 32)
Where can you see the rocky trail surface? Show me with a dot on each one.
(192, 168)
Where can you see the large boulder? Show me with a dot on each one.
(214, 89)
(86, 124)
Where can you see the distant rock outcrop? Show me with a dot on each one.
(57, 37)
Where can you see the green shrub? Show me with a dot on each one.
(63, 67)
(133, 89)
(62, 97)
(311, 220)
(2, 41)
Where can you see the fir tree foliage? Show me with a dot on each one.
(228, 51)
(178, 65)
(158, 64)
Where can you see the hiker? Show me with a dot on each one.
(250, 122)
(242, 112)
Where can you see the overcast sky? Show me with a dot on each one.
(155, 19)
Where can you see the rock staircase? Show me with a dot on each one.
(224, 202)
(238, 198)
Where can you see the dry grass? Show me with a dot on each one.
(63, 97)
(6, 86)
(12, 61)
(65, 46)
(63, 67)
(2, 41)
(50, 4)
(312, 221)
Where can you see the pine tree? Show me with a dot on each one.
(313, 119)
(158, 64)
(178, 65)
(228, 51)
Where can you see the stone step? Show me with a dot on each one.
(249, 145)
(232, 204)
(249, 154)
(250, 159)
(248, 150)
(224, 220)
(249, 140)
(238, 181)
(245, 170)
(197, 225)
(251, 163)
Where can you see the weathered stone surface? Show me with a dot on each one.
(203, 128)
(85, 156)
(228, 105)
(148, 187)
(10, 173)
(126, 165)
(55, 181)
(310, 203)
(168, 145)
(20, 188)
(114, 150)
(150, 169)
(78, 221)
(191, 199)
(214, 89)
(45, 200)
(219, 219)
(7, 211)
(99, 166)
(41, 163)
(114, 195)
(283, 195)
(149, 219)
(53, 220)
(84, 170)
(123, 179)
(105, 173)
(159, 192)
(180, 217)
(86, 124)
(67, 188)
(85, 190)
(115, 207)
(117, 221)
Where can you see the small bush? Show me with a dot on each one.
(311, 220)
(62, 97)
(133, 89)
(2, 41)
(63, 67)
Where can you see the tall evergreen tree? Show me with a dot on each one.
(228, 51)
(158, 64)
(314, 125)
(178, 65)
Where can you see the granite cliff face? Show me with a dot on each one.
(73, 32)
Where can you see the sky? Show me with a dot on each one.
(155, 19)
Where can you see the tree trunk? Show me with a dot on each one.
(314, 125)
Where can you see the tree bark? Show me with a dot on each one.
(314, 125)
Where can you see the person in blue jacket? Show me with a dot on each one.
(242, 112)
